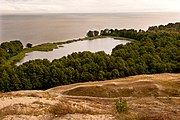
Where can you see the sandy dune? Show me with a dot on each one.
(148, 97)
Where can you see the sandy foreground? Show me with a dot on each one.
(148, 97)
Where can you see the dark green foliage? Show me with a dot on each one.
(12, 47)
(3, 55)
(9, 49)
(114, 73)
(5, 79)
(90, 34)
(28, 45)
(96, 33)
(152, 52)
(169, 27)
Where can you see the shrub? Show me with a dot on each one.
(121, 105)
(29, 45)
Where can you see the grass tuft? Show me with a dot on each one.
(121, 106)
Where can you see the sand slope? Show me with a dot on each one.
(153, 97)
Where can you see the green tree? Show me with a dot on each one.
(90, 34)
(96, 33)
(28, 45)
(2, 85)
(101, 75)
(6, 80)
(115, 73)
(86, 76)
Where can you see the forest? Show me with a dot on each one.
(156, 50)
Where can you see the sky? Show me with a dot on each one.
(88, 6)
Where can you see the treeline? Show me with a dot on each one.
(152, 52)
(9, 49)
(140, 35)
(172, 29)
(168, 27)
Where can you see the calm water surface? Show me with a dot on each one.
(105, 44)
(38, 29)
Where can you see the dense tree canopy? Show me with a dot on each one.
(168, 27)
(92, 33)
(151, 52)
(9, 49)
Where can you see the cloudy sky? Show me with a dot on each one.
(88, 6)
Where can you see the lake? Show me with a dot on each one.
(104, 44)
(43, 28)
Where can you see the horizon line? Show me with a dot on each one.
(18, 13)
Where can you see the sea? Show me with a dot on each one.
(43, 28)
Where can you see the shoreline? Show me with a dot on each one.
(46, 47)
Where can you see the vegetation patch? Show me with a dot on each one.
(171, 92)
(114, 91)
(65, 107)
(44, 47)
(121, 106)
